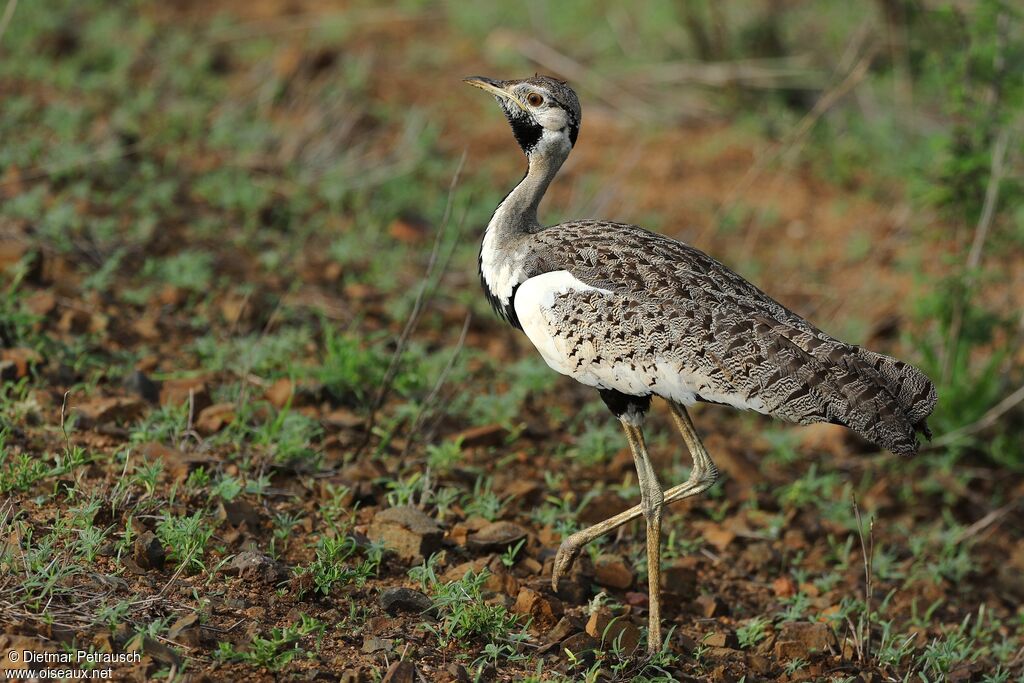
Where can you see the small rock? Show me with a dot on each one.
(604, 505)
(147, 551)
(784, 587)
(611, 571)
(758, 664)
(74, 321)
(142, 386)
(185, 631)
(487, 435)
(41, 302)
(258, 567)
(582, 646)
(458, 572)
(147, 327)
(528, 566)
(565, 627)
(155, 649)
(372, 644)
(718, 536)
(343, 418)
(99, 411)
(176, 463)
(409, 228)
(175, 392)
(280, 392)
(823, 437)
(679, 579)
(459, 673)
(214, 418)
(8, 371)
(543, 610)
(11, 252)
(238, 512)
(406, 531)
(354, 676)
(610, 630)
(500, 581)
(524, 491)
(725, 639)
(400, 672)
(637, 599)
(21, 359)
(710, 606)
(395, 600)
(804, 638)
(496, 536)
(759, 556)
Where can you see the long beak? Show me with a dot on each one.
(494, 87)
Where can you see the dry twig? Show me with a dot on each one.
(422, 296)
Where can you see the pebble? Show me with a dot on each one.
(542, 609)
(402, 671)
(147, 551)
(801, 639)
(679, 579)
(175, 392)
(611, 571)
(609, 630)
(496, 537)
(142, 386)
(406, 531)
(395, 600)
(725, 639)
(257, 566)
(581, 645)
(99, 411)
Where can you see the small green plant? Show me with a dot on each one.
(483, 502)
(277, 650)
(752, 632)
(464, 614)
(186, 537)
(444, 456)
(426, 573)
(332, 567)
(508, 558)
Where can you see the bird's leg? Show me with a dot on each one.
(702, 477)
(704, 473)
(651, 500)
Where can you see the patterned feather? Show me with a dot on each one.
(660, 317)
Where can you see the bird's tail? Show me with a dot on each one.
(901, 398)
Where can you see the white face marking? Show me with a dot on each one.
(551, 118)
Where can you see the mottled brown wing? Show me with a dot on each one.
(752, 345)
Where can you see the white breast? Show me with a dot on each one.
(534, 299)
(501, 271)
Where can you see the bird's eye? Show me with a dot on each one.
(535, 99)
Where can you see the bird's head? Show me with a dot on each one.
(544, 112)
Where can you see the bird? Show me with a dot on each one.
(638, 315)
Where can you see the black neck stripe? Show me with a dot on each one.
(527, 132)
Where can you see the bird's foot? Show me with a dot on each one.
(568, 551)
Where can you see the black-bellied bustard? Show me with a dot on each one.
(636, 315)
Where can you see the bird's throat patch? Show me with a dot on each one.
(527, 132)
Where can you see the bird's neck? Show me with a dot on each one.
(501, 253)
(517, 214)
